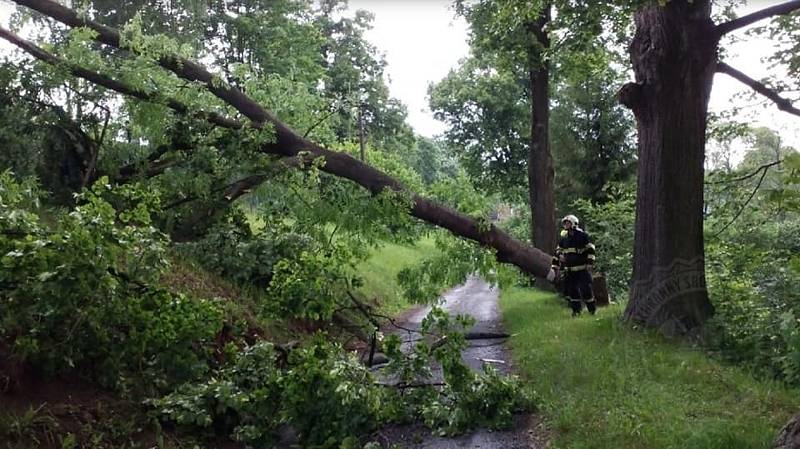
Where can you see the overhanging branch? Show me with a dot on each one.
(288, 143)
(741, 22)
(747, 176)
(782, 103)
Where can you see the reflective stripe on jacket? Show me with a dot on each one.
(577, 249)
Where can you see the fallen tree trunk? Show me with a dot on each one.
(289, 143)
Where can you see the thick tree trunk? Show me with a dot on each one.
(287, 142)
(674, 57)
(540, 161)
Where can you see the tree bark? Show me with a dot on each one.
(540, 162)
(674, 54)
(361, 141)
(287, 142)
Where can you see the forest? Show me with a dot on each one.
(219, 229)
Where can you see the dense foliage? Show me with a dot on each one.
(753, 262)
(329, 398)
(82, 293)
(131, 194)
(105, 199)
(486, 101)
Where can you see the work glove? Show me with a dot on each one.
(551, 275)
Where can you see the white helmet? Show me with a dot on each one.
(571, 218)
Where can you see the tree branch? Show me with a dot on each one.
(739, 212)
(288, 143)
(90, 170)
(128, 171)
(322, 120)
(112, 84)
(777, 10)
(366, 310)
(230, 193)
(747, 176)
(782, 103)
(403, 386)
(243, 186)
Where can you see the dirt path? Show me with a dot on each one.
(477, 298)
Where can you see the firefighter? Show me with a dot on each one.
(575, 257)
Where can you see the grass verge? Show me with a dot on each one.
(380, 270)
(602, 384)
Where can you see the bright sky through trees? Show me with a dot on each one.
(423, 39)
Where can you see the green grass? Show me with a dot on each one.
(380, 270)
(602, 384)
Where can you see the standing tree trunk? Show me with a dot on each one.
(540, 161)
(361, 144)
(674, 56)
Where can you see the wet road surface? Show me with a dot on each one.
(480, 300)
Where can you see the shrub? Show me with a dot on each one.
(79, 293)
(324, 393)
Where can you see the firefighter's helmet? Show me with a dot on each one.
(572, 219)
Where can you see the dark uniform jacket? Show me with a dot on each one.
(577, 249)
